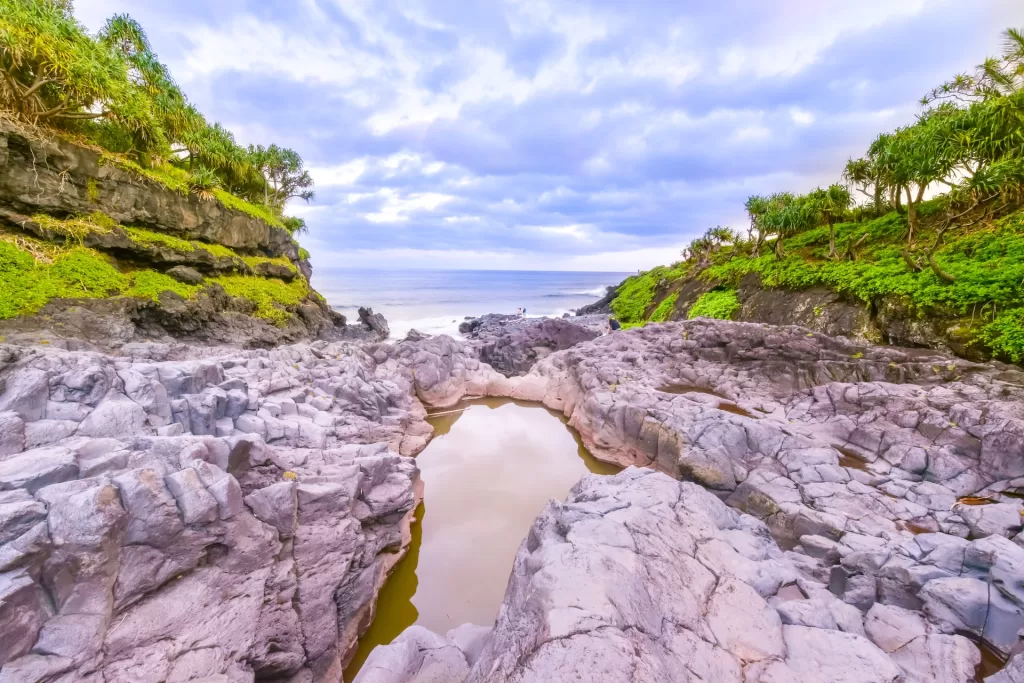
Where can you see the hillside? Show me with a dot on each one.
(881, 297)
(946, 272)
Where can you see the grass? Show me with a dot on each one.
(254, 210)
(721, 304)
(218, 250)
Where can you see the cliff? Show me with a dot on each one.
(94, 247)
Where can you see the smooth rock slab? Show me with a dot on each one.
(32, 470)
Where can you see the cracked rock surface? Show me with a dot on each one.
(843, 485)
(177, 513)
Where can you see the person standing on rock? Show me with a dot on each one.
(519, 311)
(613, 325)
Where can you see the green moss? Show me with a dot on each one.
(268, 295)
(160, 239)
(720, 303)
(636, 294)
(149, 284)
(92, 191)
(303, 254)
(664, 309)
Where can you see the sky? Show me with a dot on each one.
(561, 134)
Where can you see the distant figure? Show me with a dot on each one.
(519, 311)
(524, 312)
(613, 325)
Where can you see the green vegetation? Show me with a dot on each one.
(959, 255)
(637, 293)
(160, 239)
(112, 92)
(77, 272)
(34, 272)
(719, 303)
(266, 294)
(254, 261)
(664, 309)
(143, 236)
(149, 284)
(76, 227)
(257, 211)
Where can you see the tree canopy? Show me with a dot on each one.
(113, 91)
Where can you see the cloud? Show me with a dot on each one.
(582, 134)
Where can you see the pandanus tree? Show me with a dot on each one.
(53, 73)
(995, 77)
(864, 176)
(114, 90)
(285, 176)
(756, 207)
(829, 206)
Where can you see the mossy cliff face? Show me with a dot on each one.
(92, 249)
(56, 177)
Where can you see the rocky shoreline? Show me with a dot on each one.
(175, 512)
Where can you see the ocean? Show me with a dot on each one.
(436, 301)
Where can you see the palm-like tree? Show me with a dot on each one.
(756, 207)
(829, 205)
(993, 78)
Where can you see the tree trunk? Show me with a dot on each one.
(911, 217)
(832, 241)
(878, 200)
(899, 198)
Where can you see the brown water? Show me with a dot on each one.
(488, 472)
(687, 389)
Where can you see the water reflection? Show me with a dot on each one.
(489, 470)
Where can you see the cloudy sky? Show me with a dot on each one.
(555, 134)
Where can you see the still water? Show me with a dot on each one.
(490, 469)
